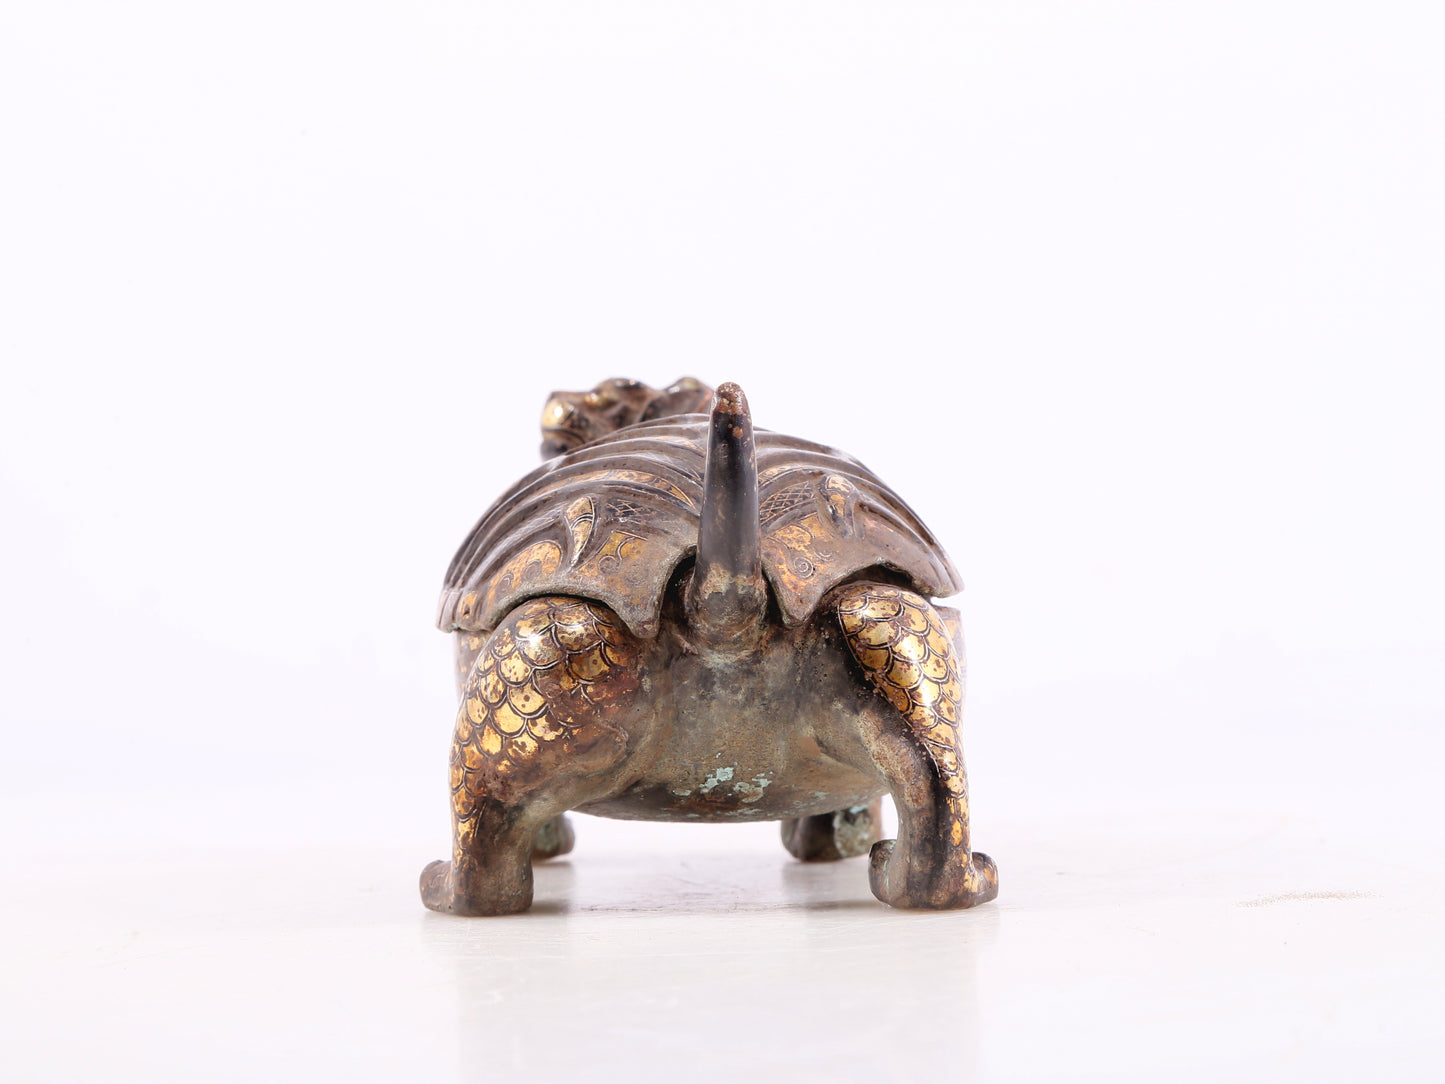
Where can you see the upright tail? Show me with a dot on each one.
(727, 600)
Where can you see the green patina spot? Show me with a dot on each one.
(718, 775)
(752, 792)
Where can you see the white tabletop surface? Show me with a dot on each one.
(1201, 946)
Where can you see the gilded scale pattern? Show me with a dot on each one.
(909, 656)
(537, 684)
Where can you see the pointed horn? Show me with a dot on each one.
(727, 599)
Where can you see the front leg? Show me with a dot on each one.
(908, 731)
(827, 837)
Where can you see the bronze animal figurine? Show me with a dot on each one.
(679, 618)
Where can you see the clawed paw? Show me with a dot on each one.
(829, 837)
(440, 892)
(940, 888)
(555, 838)
(436, 887)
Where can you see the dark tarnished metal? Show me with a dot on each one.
(613, 520)
(678, 617)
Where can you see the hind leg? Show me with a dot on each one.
(908, 732)
(556, 837)
(827, 837)
(547, 717)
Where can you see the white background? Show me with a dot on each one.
(1137, 304)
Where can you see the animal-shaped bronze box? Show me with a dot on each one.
(677, 617)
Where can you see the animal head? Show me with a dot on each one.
(573, 418)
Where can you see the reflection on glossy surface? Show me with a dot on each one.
(1126, 950)
(721, 962)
